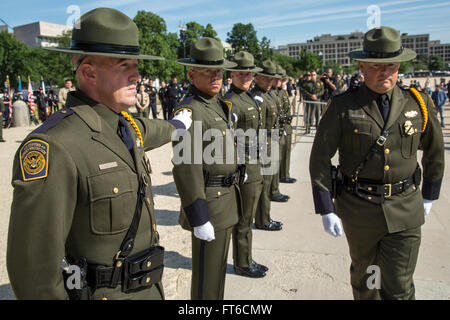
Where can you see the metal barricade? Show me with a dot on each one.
(302, 103)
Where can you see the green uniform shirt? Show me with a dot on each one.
(75, 192)
(351, 124)
(249, 115)
(313, 87)
(199, 204)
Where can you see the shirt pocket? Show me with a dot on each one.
(112, 201)
(410, 132)
(359, 136)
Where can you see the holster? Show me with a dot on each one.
(84, 292)
(336, 181)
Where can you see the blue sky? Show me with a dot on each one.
(282, 21)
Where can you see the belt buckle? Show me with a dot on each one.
(228, 181)
(381, 141)
(390, 190)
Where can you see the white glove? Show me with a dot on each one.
(332, 224)
(205, 232)
(427, 206)
(184, 116)
(234, 117)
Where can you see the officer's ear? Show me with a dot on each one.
(87, 73)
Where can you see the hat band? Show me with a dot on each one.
(244, 68)
(381, 55)
(209, 63)
(104, 47)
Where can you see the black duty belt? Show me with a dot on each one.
(376, 192)
(226, 180)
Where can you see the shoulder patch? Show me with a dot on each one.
(34, 160)
(181, 109)
(53, 120)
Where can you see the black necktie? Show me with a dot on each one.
(126, 134)
(383, 105)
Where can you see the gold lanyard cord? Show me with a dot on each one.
(134, 125)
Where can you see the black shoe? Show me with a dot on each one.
(280, 198)
(259, 266)
(252, 272)
(288, 180)
(276, 222)
(271, 226)
(2, 140)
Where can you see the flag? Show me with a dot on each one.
(30, 96)
(43, 86)
(9, 94)
(20, 85)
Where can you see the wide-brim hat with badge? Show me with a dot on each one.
(383, 45)
(269, 69)
(105, 32)
(245, 63)
(207, 53)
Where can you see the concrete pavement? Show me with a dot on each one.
(304, 261)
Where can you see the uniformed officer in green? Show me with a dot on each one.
(248, 125)
(82, 189)
(269, 151)
(205, 170)
(312, 91)
(275, 193)
(378, 129)
(286, 120)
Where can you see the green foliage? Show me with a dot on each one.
(13, 59)
(195, 31)
(155, 40)
(405, 67)
(291, 65)
(309, 61)
(436, 63)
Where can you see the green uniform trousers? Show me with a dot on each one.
(275, 187)
(209, 266)
(242, 231)
(313, 111)
(286, 158)
(395, 254)
(262, 216)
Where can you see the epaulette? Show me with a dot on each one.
(53, 120)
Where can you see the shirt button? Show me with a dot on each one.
(386, 168)
(387, 151)
(219, 194)
(355, 131)
(116, 190)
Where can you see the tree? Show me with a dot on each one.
(309, 61)
(155, 40)
(195, 31)
(13, 59)
(243, 38)
(405, 67)
(291, 65)
(436, 63)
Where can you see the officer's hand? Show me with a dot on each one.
(184, 116)
(205, 232)
(427, 204)
(332, 224)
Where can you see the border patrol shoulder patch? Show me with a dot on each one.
(34, 160)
